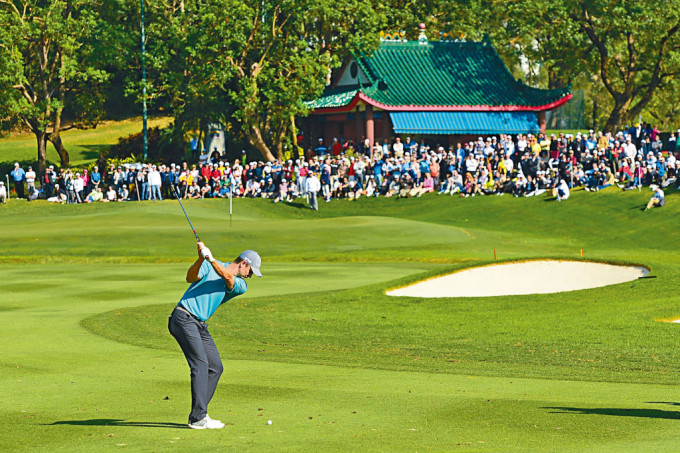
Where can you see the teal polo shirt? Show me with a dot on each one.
(210, 291)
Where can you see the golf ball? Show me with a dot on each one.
(269, 422)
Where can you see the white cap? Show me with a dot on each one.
(253, 258)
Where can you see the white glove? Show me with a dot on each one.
(207, 254)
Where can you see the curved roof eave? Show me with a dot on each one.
(360, 96)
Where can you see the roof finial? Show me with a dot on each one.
(422, 37)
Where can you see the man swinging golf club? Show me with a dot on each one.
(212, 284)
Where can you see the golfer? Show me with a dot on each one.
(212, 284)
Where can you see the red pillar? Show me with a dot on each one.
(358, 131)
(370, 132)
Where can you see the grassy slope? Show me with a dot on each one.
(317, 338)
(84, 146)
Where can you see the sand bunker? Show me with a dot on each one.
(527, 277)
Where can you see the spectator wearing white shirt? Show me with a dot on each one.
(629, 149)
(398, 148)
(313, 185)
(521, 144)
(3, 193)
(30, 181)
(155, 184)
(78, 187)
(563, 191)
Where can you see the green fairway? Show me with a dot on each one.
(318, 348)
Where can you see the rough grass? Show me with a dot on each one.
(84, 145)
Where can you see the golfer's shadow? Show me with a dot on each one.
(621, 412)
(118, 422)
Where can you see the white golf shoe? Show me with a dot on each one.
(207, 423)
(214, 421)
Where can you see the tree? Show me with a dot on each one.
(636, 50)
(253, 64)
(50, 68)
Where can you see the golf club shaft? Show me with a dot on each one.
(174, 189)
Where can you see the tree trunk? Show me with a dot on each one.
(615, 119)
(65, 159)
(41, 138)
(255, 139)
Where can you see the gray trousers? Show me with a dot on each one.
(204, 361)
(313, 203)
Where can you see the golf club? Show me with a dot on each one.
(174, 190)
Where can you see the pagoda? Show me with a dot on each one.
(429, 88)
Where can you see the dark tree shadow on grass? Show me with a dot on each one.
(296, 204)
(92, 152)
(619, 412)
(118, 422)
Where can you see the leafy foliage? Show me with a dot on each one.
(50, 63)
(252, 64)
(162, 148)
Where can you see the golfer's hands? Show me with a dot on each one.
(204, 252)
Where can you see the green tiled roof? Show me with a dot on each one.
(337, 97)
(465, 74)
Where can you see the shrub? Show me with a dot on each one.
(162, 147)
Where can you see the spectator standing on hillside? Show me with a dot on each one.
(194, 148)
(19, 176)
(155, 184)
(3, 193)
(48, 179)
(78, 187)
(86, 182)
(629, 149)
(312, 186)
(95, 178)
(30, 180)
(398, 148)
(143, 179)
(320, 149)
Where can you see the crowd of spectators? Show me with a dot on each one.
(520, 165)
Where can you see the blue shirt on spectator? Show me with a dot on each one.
(18, 174)
(378, 167)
